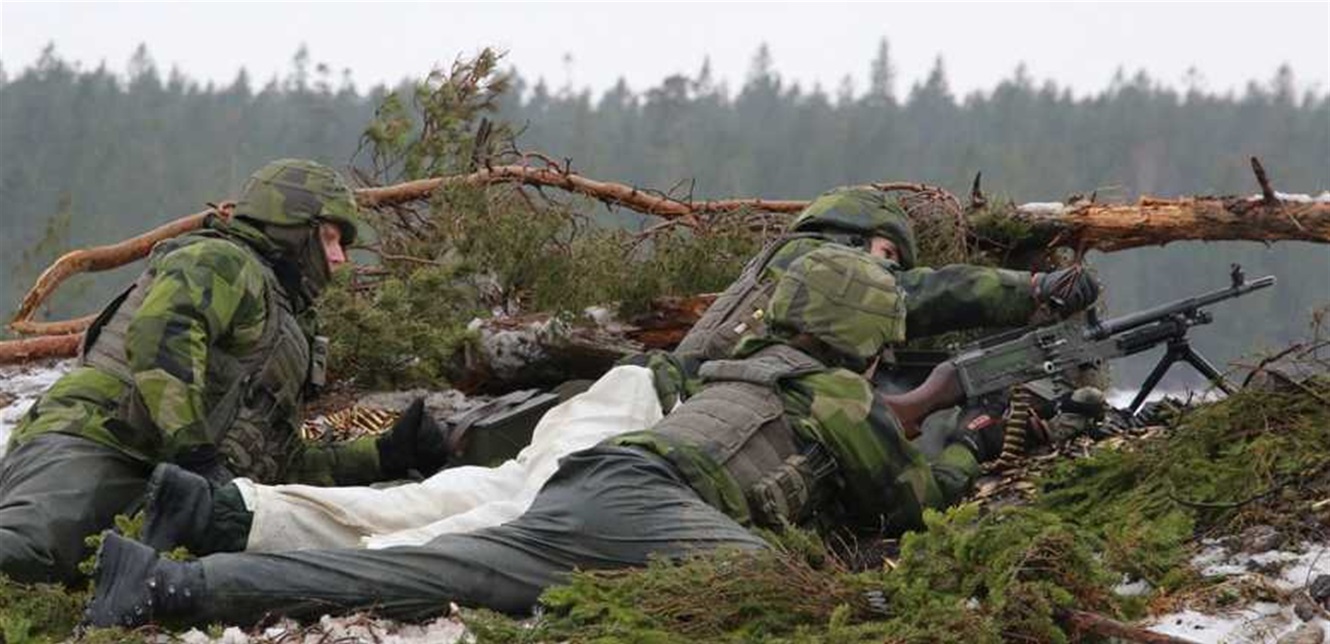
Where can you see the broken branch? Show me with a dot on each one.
(611, 193)
(1267, 192)
(1087, 622)
(39, 348)
(99, 258)
(977, 198)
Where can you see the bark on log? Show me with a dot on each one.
(30, 349)
(1153, 221)
(530, 350)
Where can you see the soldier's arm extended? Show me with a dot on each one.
(963, 296)
(675, 378)
(347, 462)
(205, 295)
(887, 480)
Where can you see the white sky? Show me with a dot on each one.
(1080, 45)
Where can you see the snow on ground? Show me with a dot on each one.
(19, 387)
(1260, 621)
(355, 628)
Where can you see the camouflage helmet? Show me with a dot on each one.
(865, 211)
(295, 192)
(845, 298)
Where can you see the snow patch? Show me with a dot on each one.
(1257, 622)
(1043, 207)
(603, 317)
(352, 628)
(1132, 588)
(1324, 197)
(1120, 398)
(21, 386)
(1297, 568)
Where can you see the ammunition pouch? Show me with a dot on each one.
(738, 421)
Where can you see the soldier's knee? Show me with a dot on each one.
(25, 556)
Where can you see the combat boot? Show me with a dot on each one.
(133, 585)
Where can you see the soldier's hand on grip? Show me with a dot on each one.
(1066, 290)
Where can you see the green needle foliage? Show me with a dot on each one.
(473, 251)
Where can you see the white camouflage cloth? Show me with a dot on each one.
(460, 499)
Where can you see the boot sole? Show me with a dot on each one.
(121, 572)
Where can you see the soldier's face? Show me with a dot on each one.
(331, 238)
(884, 248)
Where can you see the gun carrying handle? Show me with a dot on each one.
(942, 389)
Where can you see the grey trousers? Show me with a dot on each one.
(606, 507)
(55, 490)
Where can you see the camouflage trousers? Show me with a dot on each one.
(55, 490)
(606, 507)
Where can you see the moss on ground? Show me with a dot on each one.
(47, 613)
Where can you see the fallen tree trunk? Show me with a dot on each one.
(529, 350)
(1155, 222)
(542, 350)
(1040, 226)
(99, 258)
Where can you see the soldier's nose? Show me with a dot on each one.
(336, 256)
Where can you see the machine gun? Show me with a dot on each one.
(994, 365)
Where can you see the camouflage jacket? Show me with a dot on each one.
(955, 297)
(881, 479)
(205, 298)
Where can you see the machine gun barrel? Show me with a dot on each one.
(1187, 306)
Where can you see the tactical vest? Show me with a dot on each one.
(253, 399)
(740, 310)
(738, 420)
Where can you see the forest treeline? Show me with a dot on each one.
(93, 156)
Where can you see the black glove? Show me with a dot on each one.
(415, 442)
(206, 461)
(1066, 290)
(983, 433)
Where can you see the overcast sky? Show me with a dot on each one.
(1077, 45)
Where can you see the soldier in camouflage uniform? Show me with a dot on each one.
(203, 363)
(786, 432)
(951, 298)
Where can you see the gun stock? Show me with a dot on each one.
(940, 390)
